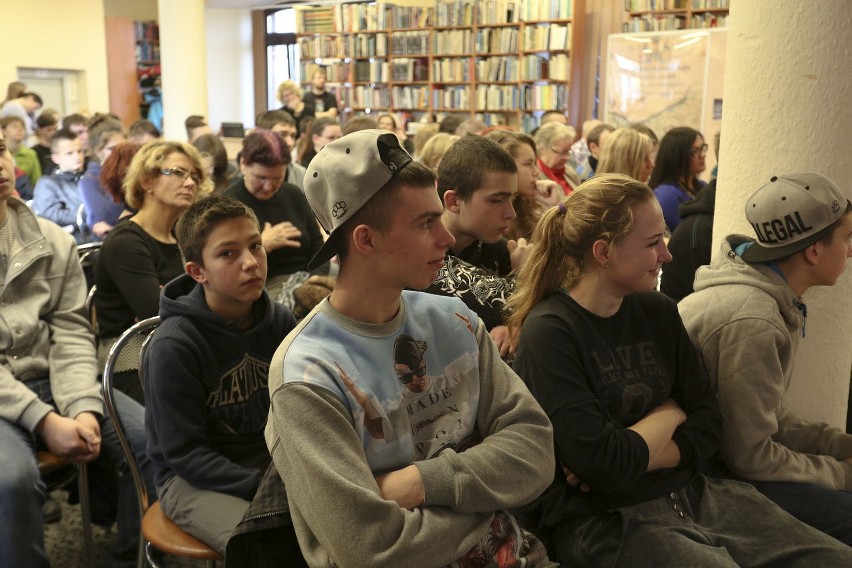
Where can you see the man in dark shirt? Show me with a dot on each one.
(323, 102)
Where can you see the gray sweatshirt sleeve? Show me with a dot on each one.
(760, 440)
(515, 461)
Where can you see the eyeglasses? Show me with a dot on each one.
(182, 174)
(700, 151)
(406, 378)
(564, 152)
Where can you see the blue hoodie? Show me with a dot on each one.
(206, 394)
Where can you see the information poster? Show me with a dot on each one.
(656, 78)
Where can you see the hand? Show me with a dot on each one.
(518, 252)
(405, 486)
(500, 335)
(101, 228)
(284, 234)
(548, 192)
(69, 438)
(574, 481)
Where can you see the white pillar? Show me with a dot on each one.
(184, 65)
(788, 107)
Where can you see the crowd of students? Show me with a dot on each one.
(540, 404)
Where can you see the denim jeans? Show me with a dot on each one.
(22, 491)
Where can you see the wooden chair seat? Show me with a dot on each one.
(167, 537)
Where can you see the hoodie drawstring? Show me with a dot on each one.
(804, 309)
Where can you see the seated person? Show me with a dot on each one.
(46, 127)
(102, 212)
(51, 398)
(57, 196)
(393, 419)
(554, 141)
(283, 124)
(681, 158)
(289, 229)
(477, 180)
(206, 371)
(747, 317)
(25, 158)
(322, 132)
(140, 255)
(634, 416)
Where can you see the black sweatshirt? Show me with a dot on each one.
(595, 377)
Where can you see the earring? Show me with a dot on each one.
(606, 266)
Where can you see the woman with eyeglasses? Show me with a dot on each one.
(680, 159)
(554, 141)
(141, 255)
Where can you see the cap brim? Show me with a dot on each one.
(758, 253)
(325, 253)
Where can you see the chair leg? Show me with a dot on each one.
(83, 489)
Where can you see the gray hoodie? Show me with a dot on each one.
(746, 322)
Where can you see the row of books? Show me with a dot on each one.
(555, 68)
(497, 40)
(367, 97)
(544, 37)
(709, 21)
(449, 42)
(649, 23)
(355, 17)
(451, 69)
(147, 31)
(321, 46)
(710, 4)
(336, 71)
(371, 71)
(147, 52)
(502, 69)
(451, 97)
(367, 45)
(652, 5)
(408, 70)
(410, 43)
(410, 97)
(498, 97)
(544, 97)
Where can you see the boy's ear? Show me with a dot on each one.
(196, 271)
(54, 159)
(452, 200)
(362, 239)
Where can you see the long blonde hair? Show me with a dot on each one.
(625, 153)
(601, 208)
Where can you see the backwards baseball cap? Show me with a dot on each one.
(344, 175)
(790, 213)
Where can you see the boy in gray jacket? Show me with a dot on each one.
(49, 394)
(747, 317)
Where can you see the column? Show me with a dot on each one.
(184, 64)
(787, 108)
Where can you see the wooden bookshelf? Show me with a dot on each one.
(502, 61)
(664, 15)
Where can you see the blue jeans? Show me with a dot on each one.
(22, 491)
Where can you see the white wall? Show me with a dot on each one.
(230, 74)
(51, 34)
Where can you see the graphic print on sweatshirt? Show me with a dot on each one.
(631, 379)
(240, 403)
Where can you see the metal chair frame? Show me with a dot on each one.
(145, 327)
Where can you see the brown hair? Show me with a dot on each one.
(197, 222)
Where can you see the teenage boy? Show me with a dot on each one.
(394, 421)
(206, 370)
(477, 179)
(747, 317)
(23, 107)
(46, 127)
(49, 393)
(56, 197)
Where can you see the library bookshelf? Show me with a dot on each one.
(664, 15)
(503, 61)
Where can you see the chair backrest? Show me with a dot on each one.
(88, 255)
(145, 328)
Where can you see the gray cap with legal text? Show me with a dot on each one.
(790, 213)
(344, 175)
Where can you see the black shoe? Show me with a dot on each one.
(51, 511)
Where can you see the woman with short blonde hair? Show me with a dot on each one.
(628, 152)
